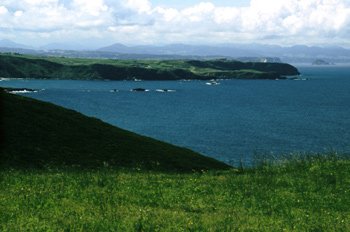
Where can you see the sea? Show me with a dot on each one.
(234, 121)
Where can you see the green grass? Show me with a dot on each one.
(308, 193)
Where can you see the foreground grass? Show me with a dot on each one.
(308, 193)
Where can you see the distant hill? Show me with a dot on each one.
(5, 43)
(19, 66)
(63, 47)
(294, 54)
(38, 134)
(179, 49)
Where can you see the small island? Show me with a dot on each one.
(320, 62)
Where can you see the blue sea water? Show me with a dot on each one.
(230, 122)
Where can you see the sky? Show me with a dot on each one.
(98, 23)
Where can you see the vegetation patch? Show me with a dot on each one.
(308, 193)
(20, 66)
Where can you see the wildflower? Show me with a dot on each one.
(190, 223)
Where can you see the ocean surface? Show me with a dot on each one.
(231, 122)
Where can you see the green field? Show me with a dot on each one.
(23, 66)
(301, 194)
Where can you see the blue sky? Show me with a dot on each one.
(100, 23)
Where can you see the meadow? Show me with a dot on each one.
(296, 193)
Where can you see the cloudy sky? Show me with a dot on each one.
(103, 22)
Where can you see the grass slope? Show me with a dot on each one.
(19, 66)
(299, 194)
(37, 134)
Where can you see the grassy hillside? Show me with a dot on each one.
(38, 134)
(298, 194)
(19, 66)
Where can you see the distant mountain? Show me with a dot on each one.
(180, 49)
(64, 46)
(243, 52)
(294, 54)
(6, 43)
(10, 44)
(118, 47)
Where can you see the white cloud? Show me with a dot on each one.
(3, 10)
(227, 15)
(137, 5)
(167, 14)
(18, 13)
(94, 8)
(137, 21)
(39, 2)
(293, 23)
